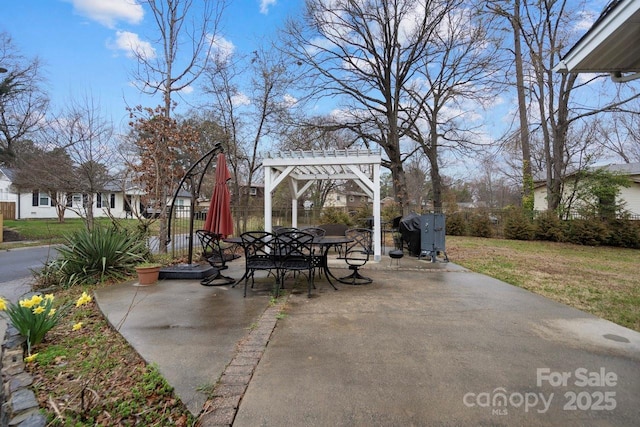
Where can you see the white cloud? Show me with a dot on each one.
(222, 49)
(187, 90)
(290, 100)
(108, 12)
(265, 5)
(240, 99)
(131, 44)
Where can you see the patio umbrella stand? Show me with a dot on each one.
(195, 271)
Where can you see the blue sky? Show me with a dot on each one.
(79, 43)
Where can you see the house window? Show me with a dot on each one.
(77, 200)
(101, 201)
(338, 198)
(68, 200)
(253, 191)
(40, 199)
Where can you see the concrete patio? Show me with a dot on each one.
(425, 344)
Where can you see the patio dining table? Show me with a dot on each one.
(325, 243)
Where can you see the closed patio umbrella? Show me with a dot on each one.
(219, 219)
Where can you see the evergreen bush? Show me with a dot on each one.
(588, 232)
(547, 226)
(456, 224)
(624, 233)
(517, 226)
(480, 226)
(333, 215)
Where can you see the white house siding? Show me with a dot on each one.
(6, 195)
(631, 196)
(27, 211)
(540, 198)
(335, 200)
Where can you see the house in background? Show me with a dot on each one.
(629, 196)
(118, 199)
(346, 199)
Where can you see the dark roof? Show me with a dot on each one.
(10, 173)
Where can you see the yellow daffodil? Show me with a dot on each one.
(85, 298)
(3, 304)
(49, 297)
(77, 326)
(31, 357)
(36, 300)
(38, 310)
(52, 311)
(26, 303)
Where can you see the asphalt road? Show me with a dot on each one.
(17, 266)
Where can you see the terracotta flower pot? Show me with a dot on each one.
(147, 274)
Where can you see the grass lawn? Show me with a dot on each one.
(603, 281)
(49, 230)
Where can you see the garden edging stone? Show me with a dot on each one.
(19, 405)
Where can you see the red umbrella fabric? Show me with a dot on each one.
(219, 219)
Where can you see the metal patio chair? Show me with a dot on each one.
(260, 248)
(217, 256)
(357, 254)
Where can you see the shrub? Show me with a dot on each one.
(361, 216)
(624, 233)
(590, 232)
(547, 226)
(456, 225)
(480, 226)
(98, 255)
(390, 211)
(518, 227)
(333, 215)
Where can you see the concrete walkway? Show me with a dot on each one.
(426, 345)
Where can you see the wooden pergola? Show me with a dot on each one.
(302, 168)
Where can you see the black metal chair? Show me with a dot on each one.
(357, 254)
(217, 256)
(316, 232)
(281, 230)
(295, 253)
(335, 230)
(260, 248)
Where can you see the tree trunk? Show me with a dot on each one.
(527, 174)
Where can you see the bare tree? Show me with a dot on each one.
(545, 32)
(366, 54)
(88, 139)
(252, 117)
(45, 171)
(185, 35)
(511, 12)
(23, 102)
(457, 78)
(620, 135)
